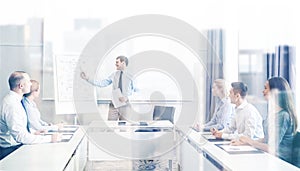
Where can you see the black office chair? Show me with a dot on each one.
(160, 113)
(296, 150)
(164, 113)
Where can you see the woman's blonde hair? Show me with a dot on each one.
(222, 85)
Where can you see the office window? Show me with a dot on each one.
(244, 66)
(155, 85)
(253, 71)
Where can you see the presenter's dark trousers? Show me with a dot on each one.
(6, 151)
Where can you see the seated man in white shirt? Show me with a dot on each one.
(36, 124)
(14, 130)
(247, 120)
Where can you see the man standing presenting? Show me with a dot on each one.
(14, 128)
(119, 79)
(247, 120)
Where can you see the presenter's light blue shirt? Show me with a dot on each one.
(128, 86)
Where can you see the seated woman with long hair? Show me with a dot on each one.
(282, 121)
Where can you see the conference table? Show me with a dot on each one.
(120, 140)
(123, 140)
(197, 149)
(68, 155)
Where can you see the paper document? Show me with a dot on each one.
(66, 136)
(68, 129)
(116, 94)
(195, 129)
(70, 126)
(238, 149)
(209, 136)
(212, 138)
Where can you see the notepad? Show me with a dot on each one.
(70, 129)
(121, 123)
(208, 136)
(143, 124)
(212, 138)
(239, 149)
(195, 129)
(71, 126)
(66, 136)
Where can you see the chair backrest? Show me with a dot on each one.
(164, 113)
(296, 150)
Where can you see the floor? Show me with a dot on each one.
(131, 165)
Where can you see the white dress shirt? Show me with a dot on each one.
(34, 117)
(247, 121)
(13, 123)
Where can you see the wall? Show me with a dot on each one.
(21, 48)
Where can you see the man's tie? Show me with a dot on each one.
(120, 81)
(27, 126)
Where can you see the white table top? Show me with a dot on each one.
(159, 123)
(49, 156)
(236, 162)
(103, 126)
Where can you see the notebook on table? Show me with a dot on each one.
(244, 149)
(212, 138)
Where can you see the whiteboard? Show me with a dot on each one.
(64, 69)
